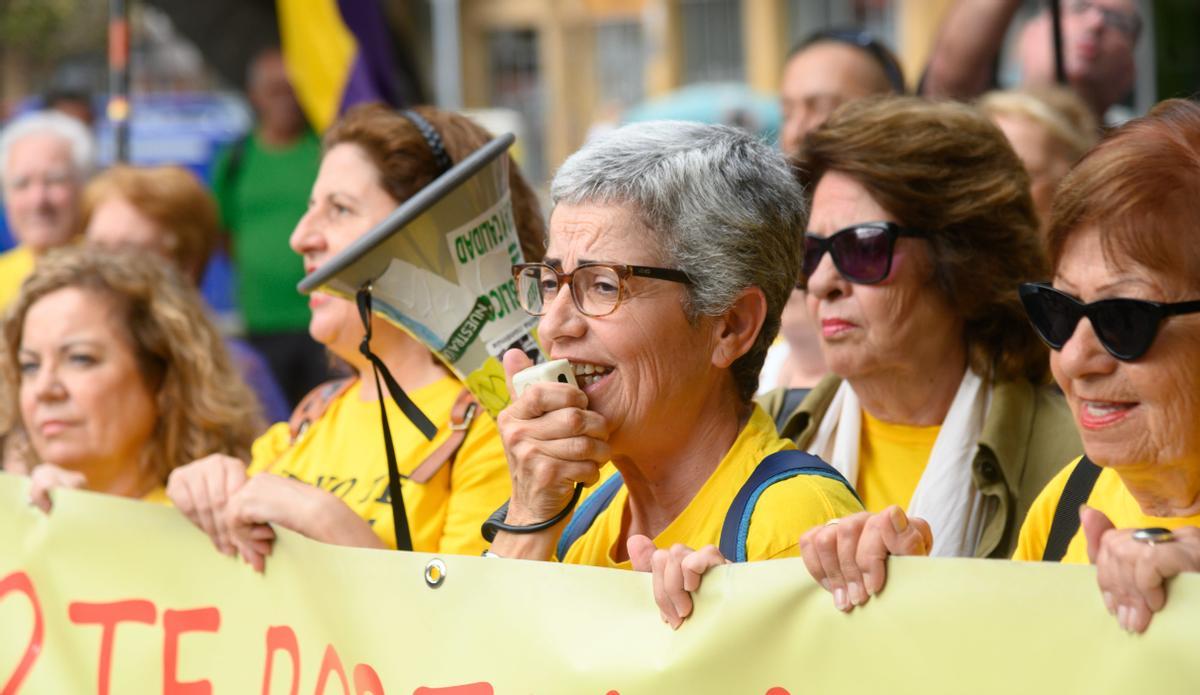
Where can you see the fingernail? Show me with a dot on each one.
(857, 595)
(1123, 617)
(899, 521)
(1108, 602)
(839, 598)
(826, 585)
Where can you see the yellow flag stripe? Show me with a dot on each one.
(319, 51)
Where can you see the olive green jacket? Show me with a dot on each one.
(1029, 436)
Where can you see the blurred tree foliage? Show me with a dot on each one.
(43, 31)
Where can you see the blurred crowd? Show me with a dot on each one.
(866, 341)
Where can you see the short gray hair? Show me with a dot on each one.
(724, 207)
(67, 128)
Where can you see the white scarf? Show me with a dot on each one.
(946, 496)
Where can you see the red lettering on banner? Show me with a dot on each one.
(20, 582)
(176, 623)
(107, 616)
(331, 665)
(367, 681)
(281, 637)
(470, 689)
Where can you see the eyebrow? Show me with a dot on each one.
(557, 262)
(1110, 286)
(68, 344)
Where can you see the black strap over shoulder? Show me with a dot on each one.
(1066, 514)
(775, 468)
(587, 512)
(792, 398)
(406, 405)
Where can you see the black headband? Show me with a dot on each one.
(432, 137)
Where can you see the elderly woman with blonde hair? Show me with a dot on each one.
(1125, 254)
(114, 377)
(1050, 128)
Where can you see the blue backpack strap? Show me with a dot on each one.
(779, 466)
(587, 512)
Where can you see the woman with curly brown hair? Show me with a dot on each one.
(922, 226)
(117, 375)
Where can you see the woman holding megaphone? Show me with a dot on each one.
(322, 473)
(672, 250)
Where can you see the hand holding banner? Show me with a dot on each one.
(132, 596)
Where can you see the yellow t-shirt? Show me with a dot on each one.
(1109, 496)
(784, 511)
(342, 452)
(157, 496)
(891, 459)
(15, 265)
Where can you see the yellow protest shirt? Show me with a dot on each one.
(15, 265)
(1109, 496)
(784, 511)
(342, 452)
(891, 460)
(157, 496)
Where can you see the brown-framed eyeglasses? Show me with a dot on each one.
(596, 288)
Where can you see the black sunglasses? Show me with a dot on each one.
(862, 253)
(1125, 327)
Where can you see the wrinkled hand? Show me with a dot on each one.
(677, 573)
(267, 499)
(1132, 575)
(849, 556)
(202, 489)
(46, 477)
(552, 442)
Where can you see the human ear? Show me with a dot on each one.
(735, 331)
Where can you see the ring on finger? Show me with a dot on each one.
(1153, 535)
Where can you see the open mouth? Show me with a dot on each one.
(587, 374)
(1099, 414)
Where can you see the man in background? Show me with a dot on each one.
(45, 158)
(1099, 37)
(262, 184)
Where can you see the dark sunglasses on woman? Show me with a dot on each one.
(1125, 327)
(862, 253)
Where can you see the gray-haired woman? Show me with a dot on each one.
(680, 243)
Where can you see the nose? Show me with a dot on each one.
(46, 384)
(792, 134)
(1082, 356)
(826, 282)
(306, 238)
(562, 319)
(1092, 18)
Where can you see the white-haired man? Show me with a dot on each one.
(45, 158)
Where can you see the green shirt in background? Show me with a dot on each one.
(262, 193)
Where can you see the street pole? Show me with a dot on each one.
(118, 77)
(447, 61)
